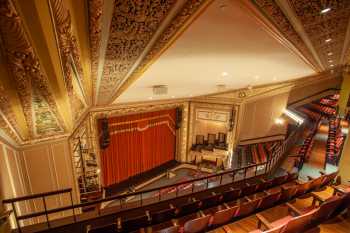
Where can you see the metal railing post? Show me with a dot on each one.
(46, 215)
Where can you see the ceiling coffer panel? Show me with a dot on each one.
(322, 27)
(133, 26)
(24, 66)
(70, 57)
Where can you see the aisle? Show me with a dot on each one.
(318, 155)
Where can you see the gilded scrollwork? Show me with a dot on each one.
(69, 54)
(133, 26)
(24, 66)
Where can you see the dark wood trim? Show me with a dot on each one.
(33, 196)
(258, 138)
(317, 93)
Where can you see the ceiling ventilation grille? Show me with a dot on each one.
(160, 89)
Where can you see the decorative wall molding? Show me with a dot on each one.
(24, 65)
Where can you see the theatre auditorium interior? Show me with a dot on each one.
(174, 116)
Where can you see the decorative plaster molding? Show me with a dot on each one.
(69, 55)
(95, 21)
(24, 65)
(178, 25)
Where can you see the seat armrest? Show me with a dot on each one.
(226, 205)
(267, 192)
(201, 213)
(171, 206)
(174, 222)
(263, 221)
(248, 199)
(317, 198)
(293, 209)
(337, 189)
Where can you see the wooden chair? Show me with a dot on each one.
(211, 201)
(162, 215)
(199, 143)
(247, 208)
(292, 224)
(211, 142)
(249, 189)
(231, 195)
(172, 229)
(278, 229)
(288, 193)
(221, 142)
(223, 216)
(197, 225)
(188, 208)
(302, 188)
(269, 200)
(112, 228)
(133, 224)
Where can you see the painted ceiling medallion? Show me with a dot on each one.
(23, 63)
(133, 26)
(70, 56)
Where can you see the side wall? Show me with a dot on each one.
(35, 169)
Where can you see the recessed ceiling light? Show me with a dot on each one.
(330, 54)
(328, 40)
(173, 96)
(150, 97)
(330, 61)
(325, 10)
(256, 77)
(331, 65)
(274, 78)
(224, 74)
(249, 87)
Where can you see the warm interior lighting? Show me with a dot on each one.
(331, 65)
(328, 40)
(279, 121)
(325, 10)
(295, 117)
(330, 61)
(150, 97)
(224, 74)
(330, 54)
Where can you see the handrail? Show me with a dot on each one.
(33, 196)
(315, 94)
(277, 156)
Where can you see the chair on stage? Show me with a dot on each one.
(211, 142)
(221, 142)
(199, 143)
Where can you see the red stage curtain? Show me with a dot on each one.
(138, 143)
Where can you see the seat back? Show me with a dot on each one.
(345, 203)
(292, 176)
(211, 139)
(172, 229)
(300, 223)
(279, 180)
(288, 193)
(199, 139)
(247, 208)
(261, 186)
(163, 215)
(211, 201)
(317, 182)
(231, 195)
(303, 188)
(222, 138)
(135, 223)
(269, 200)
(188, 208)
(249, 189)
(197, 225)
(327, 208)
(329, 178)
(223, 216)
(112, 228)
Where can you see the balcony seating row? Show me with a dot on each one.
(214, 209)
(323, 109)
(190, 204)
(335, 141)
(259, 152)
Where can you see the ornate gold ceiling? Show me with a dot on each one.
(59, 58)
